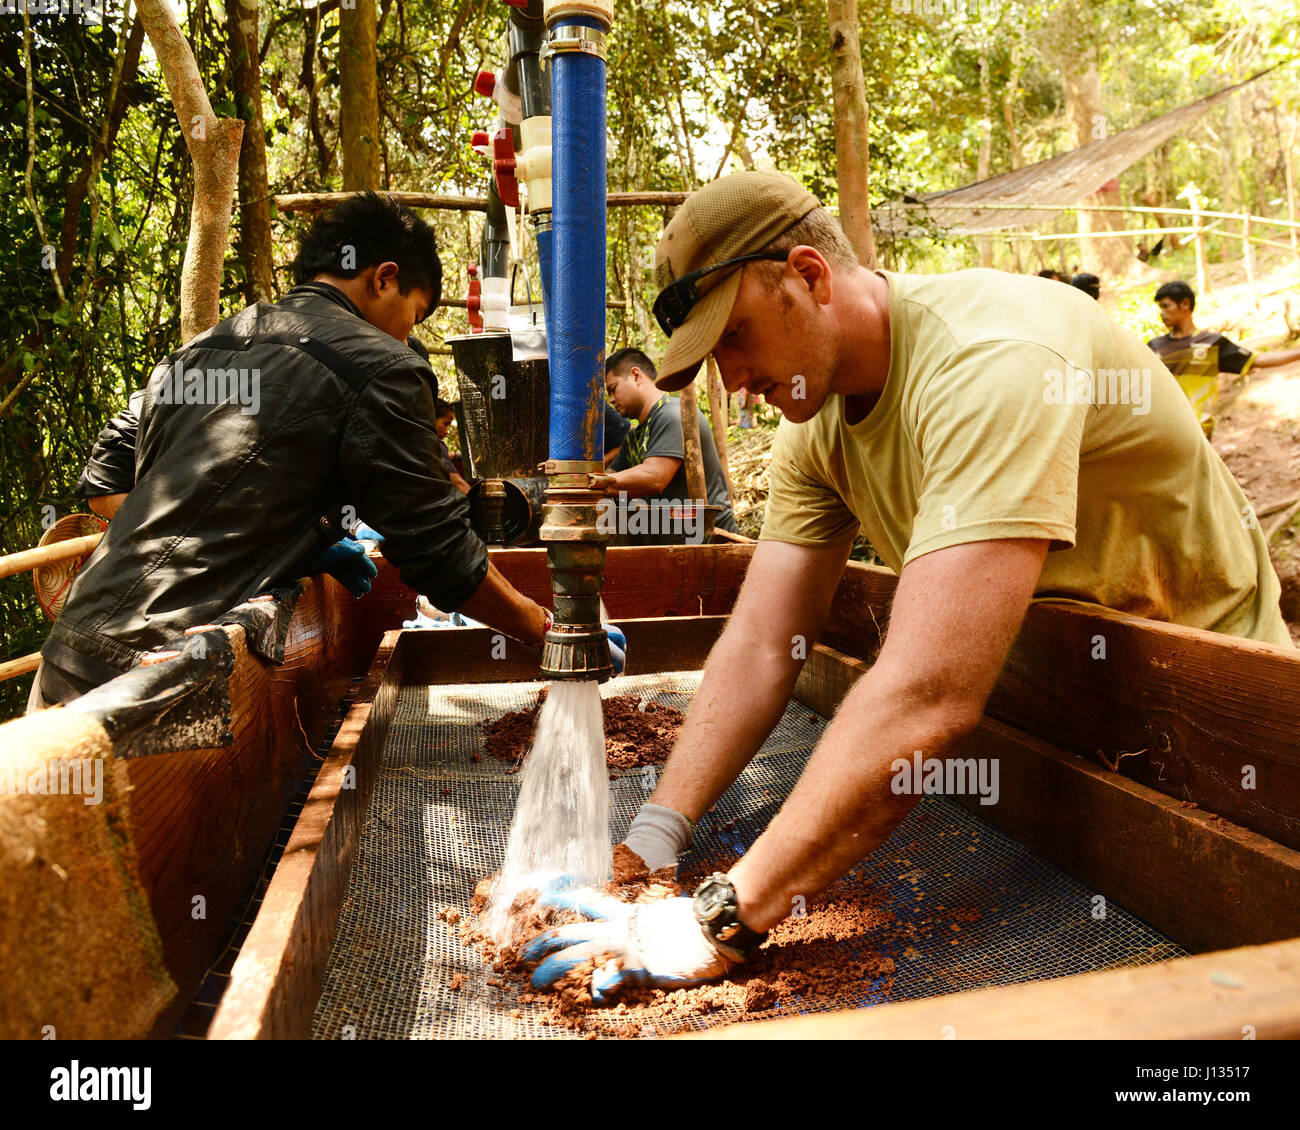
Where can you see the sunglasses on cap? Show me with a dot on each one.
(677, 300)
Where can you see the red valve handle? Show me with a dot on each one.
(474, 299)
(484, 83)
(503, 166)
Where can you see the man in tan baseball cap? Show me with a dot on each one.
(954, 421)
(698, 263)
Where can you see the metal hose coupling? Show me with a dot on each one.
(575, 647)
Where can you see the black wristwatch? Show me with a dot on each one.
(715, 909)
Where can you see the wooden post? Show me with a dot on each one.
(851, 128)
(1193, 198)
(1248, 259)
(695, 481)
(718, 408)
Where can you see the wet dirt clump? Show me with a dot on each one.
(637, 733)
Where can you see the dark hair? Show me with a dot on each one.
(1089, 284)
(1048, 273)
(444, 409)
(365, 231)
(1179, 292)
(625, 358)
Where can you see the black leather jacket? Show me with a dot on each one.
(312, 411)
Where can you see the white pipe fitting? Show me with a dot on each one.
(495, 304)
(533, 163)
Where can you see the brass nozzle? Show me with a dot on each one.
(576, 647)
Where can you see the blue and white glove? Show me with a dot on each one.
(617, 648)
(347, 563)
(362, 532)
(659, 944)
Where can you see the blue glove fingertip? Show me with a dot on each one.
(552, 969)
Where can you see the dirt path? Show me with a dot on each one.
(1257, 431)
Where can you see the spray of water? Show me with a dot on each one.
(561, 823)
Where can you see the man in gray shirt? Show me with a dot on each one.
(651, 462)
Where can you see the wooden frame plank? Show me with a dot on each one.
(277, 976)
(1220, 996)
(1206, 883)
(640, 582)
(1181, 710)
(280, 969)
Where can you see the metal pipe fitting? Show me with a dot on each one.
(576, 646)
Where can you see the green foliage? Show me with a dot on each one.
(695, 90)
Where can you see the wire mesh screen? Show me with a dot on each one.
(438, 822)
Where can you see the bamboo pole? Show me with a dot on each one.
(28, 559)
(24, 664)
(310, 202)
(1135, 208)
(1199, 234)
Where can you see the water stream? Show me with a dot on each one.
(561, 822)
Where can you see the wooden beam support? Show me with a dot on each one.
(277, 977)
(281, 966)
(1217, 996)
(1197, 715)
(483, 655)
(312, 202)
(1206, 883)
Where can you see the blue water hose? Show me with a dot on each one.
(576, 321)
(545, 256)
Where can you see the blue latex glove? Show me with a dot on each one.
(367, 533)
(617, 648)
(657, 943)
(347, 563)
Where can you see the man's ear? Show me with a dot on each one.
(811, 266)
(385, 275)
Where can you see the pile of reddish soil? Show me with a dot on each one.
(823, 959)
(633, 737)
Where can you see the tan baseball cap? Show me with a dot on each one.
(729, 217)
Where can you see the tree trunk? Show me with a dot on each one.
(851, 151)
(254, 191)
(214, 150)
(1105, 257)
(358, 96)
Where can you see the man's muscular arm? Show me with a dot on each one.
(751, 671)
(955, 614)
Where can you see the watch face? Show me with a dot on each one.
(710, 900)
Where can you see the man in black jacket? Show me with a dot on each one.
(247, 435)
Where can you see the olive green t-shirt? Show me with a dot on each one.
(1015, 408)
